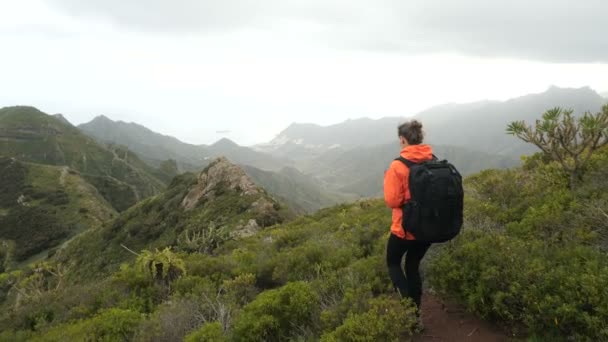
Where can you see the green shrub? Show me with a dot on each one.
(277, 315)
(388, 319)
(553, 291)
(109, 325)
(209, 332)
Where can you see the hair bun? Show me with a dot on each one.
(412, 132)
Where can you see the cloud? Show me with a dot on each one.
(547, 30)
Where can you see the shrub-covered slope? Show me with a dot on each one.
(534, 252)
(32, 136)
(532, 256)
(195, 213)
(41, 206)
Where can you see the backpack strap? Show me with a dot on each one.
(410, 163)
(407, 162)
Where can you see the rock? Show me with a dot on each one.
(250, 229)
(219, 176)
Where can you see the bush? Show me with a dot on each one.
(109, 325)
(172, 321)
(388, 319)
(277, 315)
(553, 291)
(210, 332)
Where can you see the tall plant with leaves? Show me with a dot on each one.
(162, 266)
(568, 140)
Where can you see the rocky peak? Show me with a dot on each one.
(219, 176)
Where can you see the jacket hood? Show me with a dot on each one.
(417, 153)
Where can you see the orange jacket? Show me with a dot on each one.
(396, 189)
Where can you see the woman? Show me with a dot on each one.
(396, 194)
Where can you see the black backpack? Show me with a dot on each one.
(434, 212)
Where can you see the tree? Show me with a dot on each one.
(565, 139)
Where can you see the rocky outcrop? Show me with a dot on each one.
(219, 176)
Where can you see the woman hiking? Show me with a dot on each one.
(396, 194)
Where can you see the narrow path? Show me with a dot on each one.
(445, 321)
(64, 173)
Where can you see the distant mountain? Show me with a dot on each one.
(151, 146)
(476, 126)
(197, 213)
(481, 126)
(604, 94)
(361, 170)
(310, 139)
(41, 206)
(155, 147)
(30, 135)
(303, 193)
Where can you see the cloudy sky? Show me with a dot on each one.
(190, 68)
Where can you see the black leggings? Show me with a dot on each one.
(410, 283)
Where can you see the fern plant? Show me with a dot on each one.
(162, 266)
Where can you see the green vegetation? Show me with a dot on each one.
(163, 221)
(32, 136)
(304, 278)
(43, 206)
(534, 252)
(214, 258)
(569, 142)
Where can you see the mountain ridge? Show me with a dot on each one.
(155, 147)
(439, 121)
(30, 135)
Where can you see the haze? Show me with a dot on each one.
(200, 70)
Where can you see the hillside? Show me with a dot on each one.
(32, 136)
(302, 193)
(41, 206)
(196, 213)
(154, 147)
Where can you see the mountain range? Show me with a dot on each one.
(155, 147)
(109, 166)
(478, 126)
(347, 160)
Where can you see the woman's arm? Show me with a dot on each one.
(394, 196)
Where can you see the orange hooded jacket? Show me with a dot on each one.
(396, 188)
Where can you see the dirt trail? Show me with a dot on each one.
(64, 173)
(444, 321)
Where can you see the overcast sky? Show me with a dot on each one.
(189, 68)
